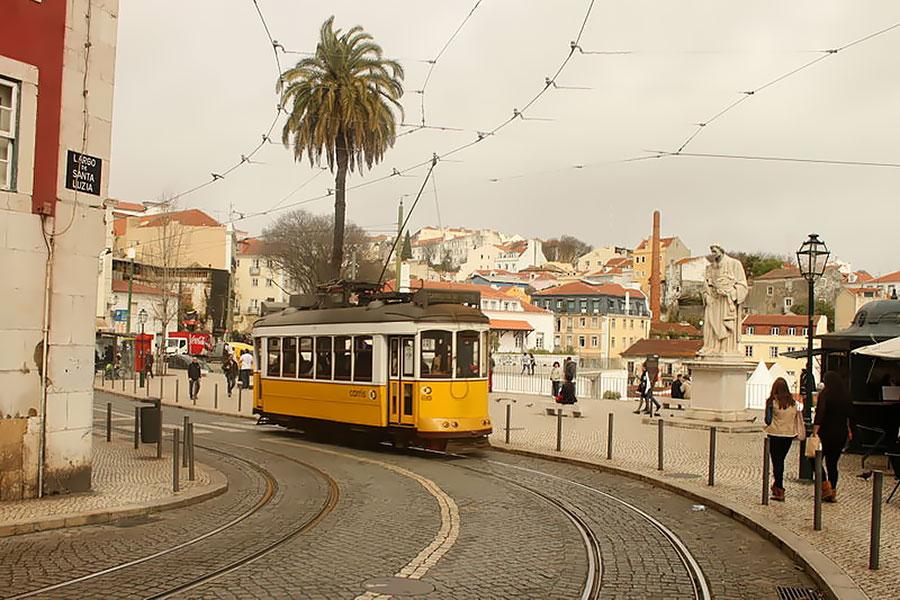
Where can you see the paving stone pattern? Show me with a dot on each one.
(844, 538)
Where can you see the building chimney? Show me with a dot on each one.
(655, 268)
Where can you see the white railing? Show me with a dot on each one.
(587, 385)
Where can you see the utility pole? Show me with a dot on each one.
(131, 253)
(398, 261)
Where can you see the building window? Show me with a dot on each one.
(8, 124)
(255, 263)
(776, 331)
(791, 348)
(750, 330)
(584, 305)
(792, 331)
(806, 331)
(594, 341)
(559, 304)
(268, 283)
(773, 351)
(748, 351)
(254, 282)
(613, 321)
(770, 290)
(582, 322)
(595, 322)
(788, 302)
(254, 305)
(556, 341)
(539, 340)
(568, 341)
(581, 341)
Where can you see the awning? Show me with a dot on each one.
(889, 350)
(510, 325)
(815, 352)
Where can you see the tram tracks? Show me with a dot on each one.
(269, 493)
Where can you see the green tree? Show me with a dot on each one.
(823, 307)
(340, 104)
(406, 252)
(758, 263)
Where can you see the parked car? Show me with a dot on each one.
(181, 361)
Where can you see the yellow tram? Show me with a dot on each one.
(409, 368)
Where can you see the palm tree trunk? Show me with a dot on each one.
(340, 209)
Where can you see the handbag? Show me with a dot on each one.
(770, 413)
(812, 444)
(801, 427)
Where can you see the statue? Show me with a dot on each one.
(724, 291)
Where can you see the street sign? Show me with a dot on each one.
(83, 173)
(120, 314)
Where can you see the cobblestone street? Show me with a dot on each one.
(312, 520)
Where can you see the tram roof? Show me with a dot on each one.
(376, 312)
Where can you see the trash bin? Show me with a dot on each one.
(150, 416)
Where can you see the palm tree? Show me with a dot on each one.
(340, 104)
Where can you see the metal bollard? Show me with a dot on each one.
(875, 528)
(191, 446)
(508, 410)
(765, 490)
(137, 427)
(147, 391)
(176, 390)
(133, 385)
(239, 401)
(175, 473)
(159, 439)
(711, 480)
(817, 495)
(558, 429)
(609, 438)
(160, 389)
(109, 421)
(659, 446)
(185, 427)
(216, 396)
(123, 382)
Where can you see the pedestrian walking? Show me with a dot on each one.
(832, 427)
(784, 422)
(532, 363)
(555, 379)
(230, 368)
(148, 365)
(246, 368)
(646, 390)
(193, 372)
(686, 387)
(525, 363)
(641, 389)
(677, 392)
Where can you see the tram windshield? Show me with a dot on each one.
(468, 354)
(437, 349)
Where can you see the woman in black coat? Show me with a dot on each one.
(832, 425)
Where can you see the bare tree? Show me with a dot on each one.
(565, 249)
(300, 244)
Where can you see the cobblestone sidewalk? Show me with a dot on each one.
(845, 535)
(125, 482)
(213, 396)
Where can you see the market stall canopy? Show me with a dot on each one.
(888, 350)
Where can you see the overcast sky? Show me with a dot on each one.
(195, 90)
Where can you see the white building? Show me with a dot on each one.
(256, 280)
(57, 68)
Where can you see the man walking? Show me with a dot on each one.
(230, 368)
(193, 372)
(246, 368)
(676, 388)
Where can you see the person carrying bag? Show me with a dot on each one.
(784, 423)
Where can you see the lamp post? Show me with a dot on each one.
(811, 258)
(142, 318)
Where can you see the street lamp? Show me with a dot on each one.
(811, 258)
(142, 318)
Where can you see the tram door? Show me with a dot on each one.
(401, 371)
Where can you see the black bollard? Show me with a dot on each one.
(137, 427)
(109, 421)
(765, 490)
(508, 410)
(160, 389)
(191, 446)
(159, 438)
(875, 529)
(659, 445)
(216, 396)
(712, 456)
(609, 438)
(185, 427)
(817, 495)
(175, 460)
(558, 429)
(176, 390)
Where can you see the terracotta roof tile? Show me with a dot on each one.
(581, 288)
(511, 325)
(671, 348)
(776, 320)
(787, 272)
(889, 278)
(121, 286)
(192, 217)
(663, 327)
(251, 247)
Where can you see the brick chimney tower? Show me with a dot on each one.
(655, 268)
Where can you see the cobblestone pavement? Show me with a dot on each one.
(845, 535)
(121, 478)
(506, 542)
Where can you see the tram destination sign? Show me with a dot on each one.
(83, 173)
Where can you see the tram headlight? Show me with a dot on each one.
(445, 424)
(455, 424)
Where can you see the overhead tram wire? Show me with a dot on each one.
(481, 135)
(745, 95)
(245, 158)
(789, 159)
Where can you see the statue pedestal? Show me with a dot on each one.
(718, 392)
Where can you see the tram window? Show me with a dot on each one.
(289, 362)
(436, 353)
(468, 354)
(306, 357)
(409, 357)
(323, 358)
(362, 358)
(343, 351)
(273, 354)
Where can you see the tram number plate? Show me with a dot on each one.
(370, 394)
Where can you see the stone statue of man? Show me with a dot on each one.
(724, 291)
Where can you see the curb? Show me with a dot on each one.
(218, 486)
(835, 583)
(192, 407)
